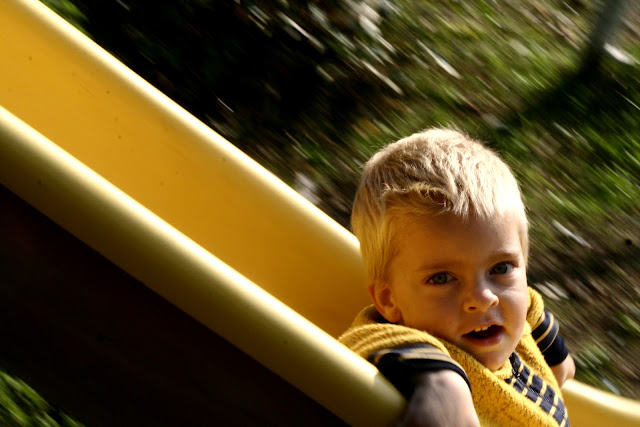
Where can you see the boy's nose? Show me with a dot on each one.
(480, 297)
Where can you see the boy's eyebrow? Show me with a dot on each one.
(507, 253)
(499, 255)
(438, 266)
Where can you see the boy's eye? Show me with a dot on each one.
(440, 278)
(502, 268)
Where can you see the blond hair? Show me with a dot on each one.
(430, 173)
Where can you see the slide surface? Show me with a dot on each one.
(123, 168)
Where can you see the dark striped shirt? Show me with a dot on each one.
(537, 390)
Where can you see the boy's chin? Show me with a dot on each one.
(493, 362)
(498, 366)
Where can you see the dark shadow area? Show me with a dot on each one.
(99, 344)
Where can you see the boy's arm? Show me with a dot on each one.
(436, 387)
(565, 370)
(440, 398)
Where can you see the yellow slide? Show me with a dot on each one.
(123, 168)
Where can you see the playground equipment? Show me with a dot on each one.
(138, 298)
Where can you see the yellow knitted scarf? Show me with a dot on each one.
(496, 402)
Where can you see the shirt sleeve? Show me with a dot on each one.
(400, 364)
(544, 330)
(550, 343)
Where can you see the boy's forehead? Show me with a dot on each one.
(501, 232)
(437, 218)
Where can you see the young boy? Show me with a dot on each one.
(444, 238)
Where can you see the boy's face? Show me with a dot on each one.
(464, 282)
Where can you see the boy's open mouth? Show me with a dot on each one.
(485, 332)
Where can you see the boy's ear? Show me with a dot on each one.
(384, 301)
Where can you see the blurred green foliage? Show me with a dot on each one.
(20, 405)
(68, 11)
(313, 88)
